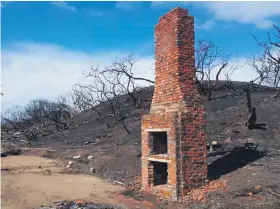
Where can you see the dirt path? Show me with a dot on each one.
(33, 181)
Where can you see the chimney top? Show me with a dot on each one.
(177, 11)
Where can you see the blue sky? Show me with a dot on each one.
(49, 44)
(126, 26)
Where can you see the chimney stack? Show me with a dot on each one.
(173, 133)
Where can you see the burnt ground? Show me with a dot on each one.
(117, 155)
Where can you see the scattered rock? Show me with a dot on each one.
(77, 157)
(26, 142)
(118, 182)
(82, 202)
(90, 157)
(79, 204)
(83, 160)
(215, 144)
(70, 163)
(87, 142)
(251, 140)
(228, 141)
(60, 203)
(92, 170)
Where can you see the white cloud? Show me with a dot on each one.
(64, 5)
(258, 13)
(207, 25)
(264, 24)
(31, 71)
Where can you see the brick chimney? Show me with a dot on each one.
(173, 133)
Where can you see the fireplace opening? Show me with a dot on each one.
(160, 173)
(159, 143)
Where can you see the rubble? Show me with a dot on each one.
(92, 170)
(200, 194)
(120, 183)
(78, 204)
(86, 143)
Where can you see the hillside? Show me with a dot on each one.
(117, 155)
(225, 117)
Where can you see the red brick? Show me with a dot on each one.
(175, 89)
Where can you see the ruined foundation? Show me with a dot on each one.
(173, 133)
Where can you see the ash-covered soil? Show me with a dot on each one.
(116, 155)
(77, 205)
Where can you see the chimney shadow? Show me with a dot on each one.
(262, 126)
(237, 158)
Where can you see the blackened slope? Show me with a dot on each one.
(117, 154)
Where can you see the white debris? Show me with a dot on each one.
(90, 157)
(214, 142)
(70, 163)
(92, 170)
(17, 133)
(77, 157)
(118, 182)
(26, 142)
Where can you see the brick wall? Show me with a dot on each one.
(176, 108)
